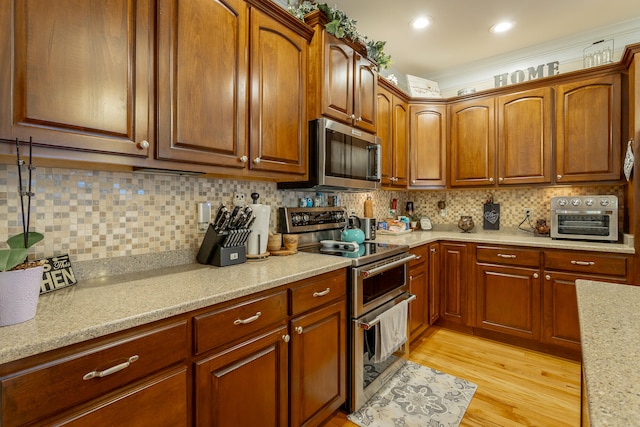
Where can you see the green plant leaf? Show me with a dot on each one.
(17, 241)
(9, 258)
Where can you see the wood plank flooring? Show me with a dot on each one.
(516, 387)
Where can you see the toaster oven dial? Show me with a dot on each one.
(562, 202)
(588, 202)
(604, 202)
(575, 202)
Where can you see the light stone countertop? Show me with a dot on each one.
(98, 307)
(610, 333)
(506, 237)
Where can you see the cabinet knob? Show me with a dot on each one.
(558, 176)
(500, 179)
(244, 159)
(353, 116)
(299, 330)
(359, 119)
(548, 277)
(535, 275)
(257, 160)
(491, 179)
(143, 145)
(434, 250)
(286, 338)
(413, 181)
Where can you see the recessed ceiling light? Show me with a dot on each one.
(421, 22)
(501, 27)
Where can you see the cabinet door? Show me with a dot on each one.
(364, 94)
(384, 101)
(400, 138)
(202, 81)
(337, 97)
(139, 405)
(524, 137)
(278, 130)
(473, 142)
(318, 364)
(428, 145)
(78, 74)
(454, 277)
(508, 300)
(245, 385)
(588, 130)
(560, 310)
(419, 286)
(434, 282)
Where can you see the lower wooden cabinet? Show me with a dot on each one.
(560, 310)
(317, 364)
(246, 385)
(419, 286)
(454, 276)
(434, 282)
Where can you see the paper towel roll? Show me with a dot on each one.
(260, 228)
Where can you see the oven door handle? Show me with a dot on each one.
(368, 325)
(384, 266)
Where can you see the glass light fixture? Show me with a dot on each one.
(421, 22)
(501, 27)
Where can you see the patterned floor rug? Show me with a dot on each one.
(417, 396)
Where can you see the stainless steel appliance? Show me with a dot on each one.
(341, 158)
(377, 283)
(584, 218)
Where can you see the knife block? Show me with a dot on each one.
(212, 252)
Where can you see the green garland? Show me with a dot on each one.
(344, 28)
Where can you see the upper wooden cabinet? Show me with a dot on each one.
(588, 130)
(393, 128)
(78, 75)
(343, 81)
(524, 137)
(427, 164)
(215, 108)
(473, 146)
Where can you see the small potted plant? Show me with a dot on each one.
(20, 278)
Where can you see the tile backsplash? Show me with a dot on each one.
(98, 214)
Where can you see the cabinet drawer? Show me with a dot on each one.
(585, 262)
(508, 256)
(228, 324)
(59, 384)
(318, 292)
(421, 253)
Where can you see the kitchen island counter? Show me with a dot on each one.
(609, 325)
(98, 307)
(505, 237)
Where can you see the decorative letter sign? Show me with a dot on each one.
(532, 73)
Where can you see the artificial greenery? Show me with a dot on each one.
(344, 28)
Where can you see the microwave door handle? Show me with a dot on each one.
(378, 164)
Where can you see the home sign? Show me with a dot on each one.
(531, 73)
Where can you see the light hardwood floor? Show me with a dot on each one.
(516, 387)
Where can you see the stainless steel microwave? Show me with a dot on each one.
(341, 158)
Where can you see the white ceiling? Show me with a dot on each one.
(459, 33)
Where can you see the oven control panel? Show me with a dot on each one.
(300, 220)
(584, 202)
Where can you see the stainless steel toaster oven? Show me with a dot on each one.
(584, 218)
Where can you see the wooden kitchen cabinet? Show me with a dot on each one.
(428, 146)
(455, 273)
(508, 282)
(342, 81)
(560, 306)
(133, 370)
(588, 120)
(231, 87)
(419, 286)
(434, 282)
(472, 142)
(524, 137)
(78, 75)
(393, 131)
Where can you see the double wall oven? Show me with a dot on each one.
(377, 284)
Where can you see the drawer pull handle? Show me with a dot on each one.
(111, 370)
(418, 257)
(582, 262)
(506, 255)
(248, 319)
(321, 294)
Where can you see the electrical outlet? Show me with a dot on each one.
(528, 212)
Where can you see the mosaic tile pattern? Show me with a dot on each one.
(95, 214)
